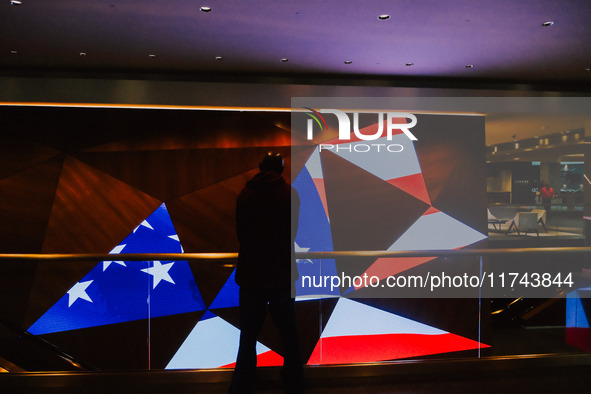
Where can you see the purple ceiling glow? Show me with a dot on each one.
(503, 40)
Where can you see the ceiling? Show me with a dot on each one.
(500, 41)
(505, 44)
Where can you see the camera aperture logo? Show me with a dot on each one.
(391, 127)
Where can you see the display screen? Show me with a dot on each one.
(409, 199)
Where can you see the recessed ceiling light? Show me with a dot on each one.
(384, 17)
(152, 56)
(16, 2)
(205, 9)
(82, 54)
(588, 69)
(14, 52)
(348, 62)
(219, 58)
(548, 23)
(284, 60)
(469, 66)
(409, 64)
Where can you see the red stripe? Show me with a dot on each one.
(387, 266)
(372, 348)
(413, 185)
(267, 359)
(319, 183)
(579, 337)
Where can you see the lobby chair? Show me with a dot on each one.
(492, 219)
(525, 222)
(541, 218)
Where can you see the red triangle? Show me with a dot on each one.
(413, 185)
(387, 266)
(373, 348)
(267, 359)
(431, 210)
(319, 183)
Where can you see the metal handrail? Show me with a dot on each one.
(300, 255)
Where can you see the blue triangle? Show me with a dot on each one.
(349, 290)
(313, 235)
(126, 293)
(208, 315)
(228, 295)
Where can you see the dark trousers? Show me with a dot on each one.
(253, 310)
(546, 202)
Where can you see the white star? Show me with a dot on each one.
(78, 291)
(160, 272)
(116, 250)
(145, 224)
(300, 249)
(106, 264)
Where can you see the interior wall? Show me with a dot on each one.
(80, 180)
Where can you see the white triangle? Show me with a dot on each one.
(383, 164)
(211, 344)
(437, 231)
(314, 166)
(354, 318)
(117, 249)
(146, 224)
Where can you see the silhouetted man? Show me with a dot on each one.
(266, 232)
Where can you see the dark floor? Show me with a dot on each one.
(553, 374)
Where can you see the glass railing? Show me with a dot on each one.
(180, 311)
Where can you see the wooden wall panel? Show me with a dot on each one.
(93, 212)
(17, 155)
(167, 174)
(205, 219)
(182, 129)
(26, 199)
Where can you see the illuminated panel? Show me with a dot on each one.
(314, 230)
(116, 291)
(578, 332)
(357, 333)
(228, 295)
(383, 164)
(434, 230)
(437, 231)
(213, 343)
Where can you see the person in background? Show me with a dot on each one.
(547, 195)
(266, 233)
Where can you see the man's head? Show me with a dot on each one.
(272, 162)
